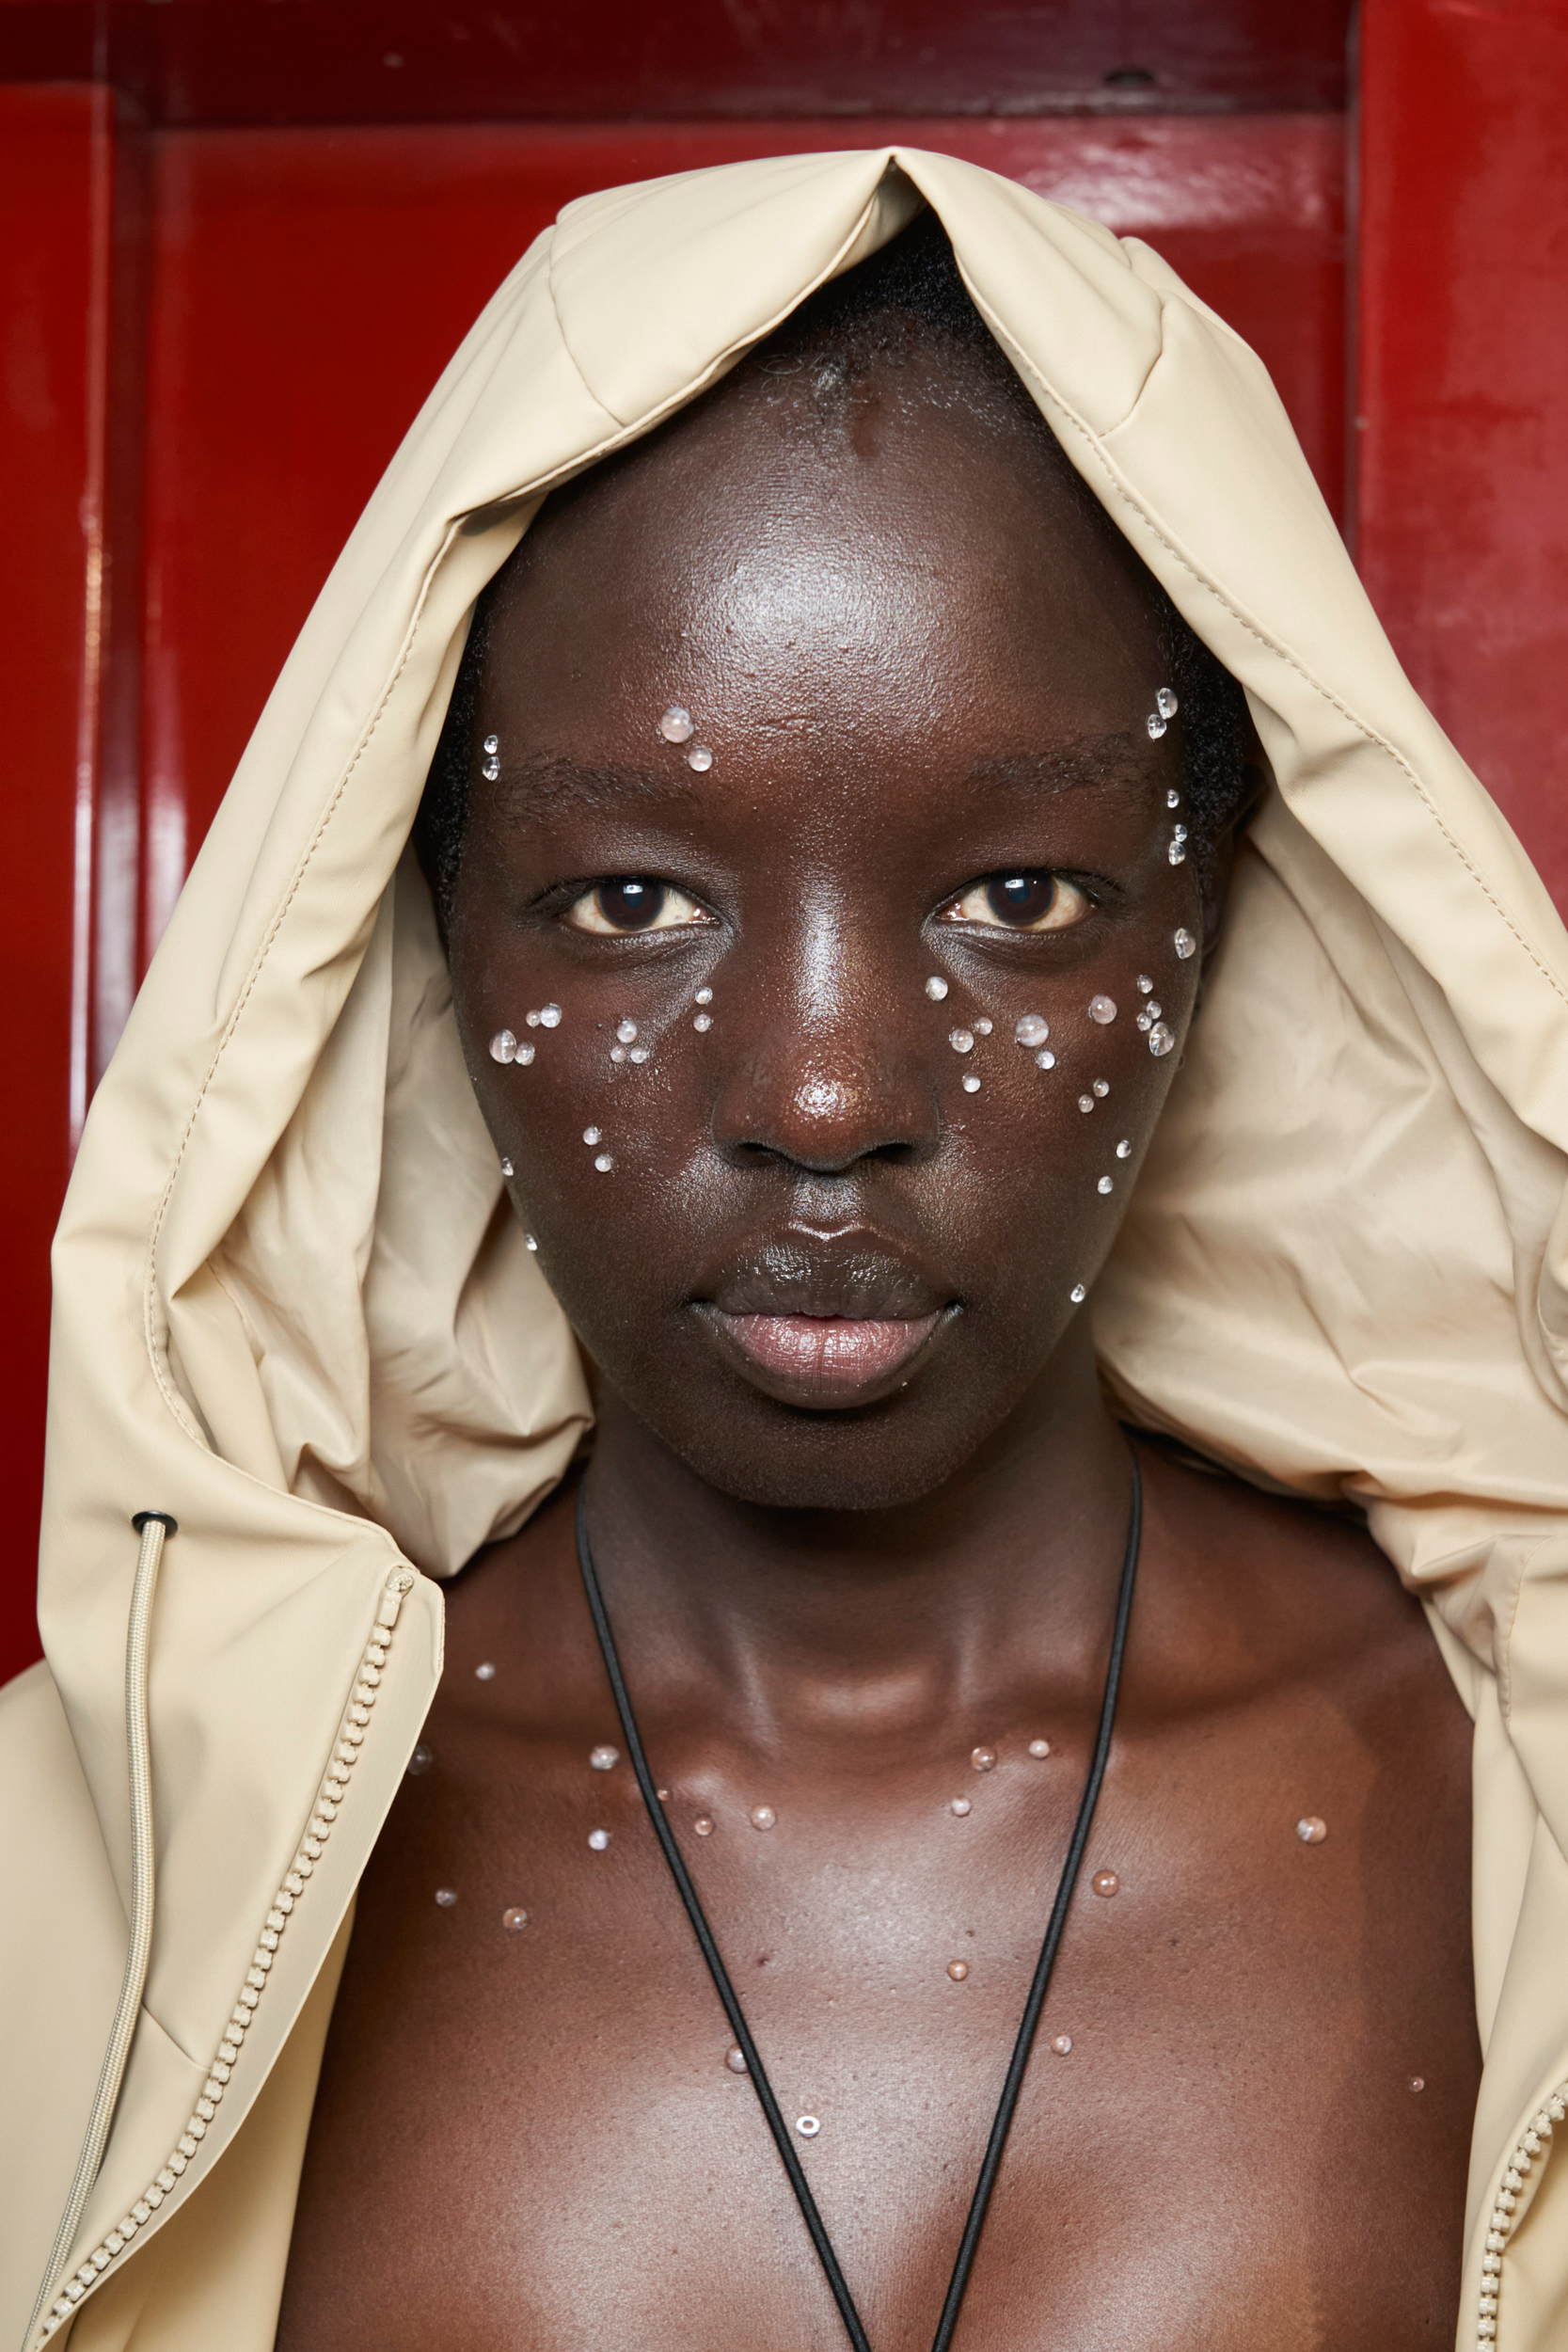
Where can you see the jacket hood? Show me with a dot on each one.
(294, 1310)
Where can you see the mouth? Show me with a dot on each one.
(828, 1359)
(824, 1327)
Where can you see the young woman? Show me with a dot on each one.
(945, 979)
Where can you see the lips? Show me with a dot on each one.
(837, 1359)
(825, 1321)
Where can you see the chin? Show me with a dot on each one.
(827, 1461)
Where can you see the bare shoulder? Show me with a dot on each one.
(1256, 1597)
(1273, 1586)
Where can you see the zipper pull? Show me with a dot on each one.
(399, 1581)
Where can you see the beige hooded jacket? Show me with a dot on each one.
(293, 1310)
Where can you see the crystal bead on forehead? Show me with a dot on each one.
(676, 725)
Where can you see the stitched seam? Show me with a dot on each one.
(70, 2292)
(1281, 653)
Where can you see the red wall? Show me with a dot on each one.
(54, 215)
(214, 336)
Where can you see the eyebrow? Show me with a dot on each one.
(543, 785)
(1092, 762)
(546, 784)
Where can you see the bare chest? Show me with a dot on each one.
(530, 2130)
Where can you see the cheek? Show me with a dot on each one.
(647, 1119)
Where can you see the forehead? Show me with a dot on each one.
(916, 534)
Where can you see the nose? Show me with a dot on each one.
(827, 1071)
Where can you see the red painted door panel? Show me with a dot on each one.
(1463, 399)
(54, 218)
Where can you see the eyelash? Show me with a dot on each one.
(575, 897)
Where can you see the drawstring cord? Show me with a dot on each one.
(154, 1528)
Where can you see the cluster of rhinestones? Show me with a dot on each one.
(1537, 2132)
(319, 1829)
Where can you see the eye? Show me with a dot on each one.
(1035, 901)
(633, 902)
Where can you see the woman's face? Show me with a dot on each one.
(853, 1068)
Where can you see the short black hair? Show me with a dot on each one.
(910, 292)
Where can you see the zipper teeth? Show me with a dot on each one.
(1533, 2147)
(334, 1786)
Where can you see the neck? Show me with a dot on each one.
(869, 1621)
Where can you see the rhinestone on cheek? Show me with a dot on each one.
(507, 1169)
(961, 1805)
(1077, 1294)
(957, 1970)
(419, 1762)
(762, 1817)
(503, 1046)
(1155, 725)
(625, 1032)
(1040, 1747)
(639, 1055)
(735, 2058)
(1085, 1102)
(531, 1243)
(982, 1758)
(1184, 944)
(982, 1026)
(961, 1041)
(700, 757)
(1031, 1030)
(549, 1016)
(446, 1897)
(971, 1084)
(1146, 986)
(1106, 1883)
(604, 1759)
(936, 989)
(807, 2126)
(1105, 1185)
(515, 1920)
(598, 1839)
(1165, 703)
(604, 1163)
(703, 1825)
(486, 1672)
(591, 1136)
(1099, 1089)
(1045, 1058)
(702, 1022)
(1311, 1829)
(1418, 2082)
(1102, 1009)
(1124, 1148)
(703, 996)
(1062, 2044)
(1161, 1039)
(677, 726)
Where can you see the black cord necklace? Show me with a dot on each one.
(1013, 2084)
